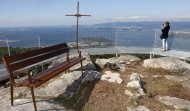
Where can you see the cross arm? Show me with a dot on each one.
(79, 15)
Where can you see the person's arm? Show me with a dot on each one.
(165, 28)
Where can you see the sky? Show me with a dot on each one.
(52, 12)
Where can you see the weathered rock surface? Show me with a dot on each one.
(134, 77)
(5, 92)
(102, 62)
(118, 61)
(112, 77)
(27, 105)
(176, 78)
(87, 63)
(66, 84)
(156, 76)
(140, 108)
(136, 83)
(169, 63)
(186, 84)
(175, 102)
(129, 93)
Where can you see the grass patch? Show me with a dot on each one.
(184, 109)
(103, 56)
(188, 62)
(124, 82)
(145, 56)
(107, 56)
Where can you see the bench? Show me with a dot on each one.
(16, 63)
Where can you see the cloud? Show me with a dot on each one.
(180, 17)
(184, 17)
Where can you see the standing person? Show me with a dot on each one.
(165, 30)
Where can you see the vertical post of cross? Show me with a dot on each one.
(77, 15)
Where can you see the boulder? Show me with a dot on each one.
(118, 61)
(87, 63)
(66, 84)
(55, 87)
(177, 103)
(112, 77)
(134, 77)
(140, 91)
(136, 83)
(102, 62)
(169, 63)
(139, 108)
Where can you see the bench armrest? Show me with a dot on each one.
(21, 72)
(28, 73)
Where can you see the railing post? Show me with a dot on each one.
(155, 39)
(116, 55)
(151, 56)
(8, 46)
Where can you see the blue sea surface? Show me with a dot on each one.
(139, 34)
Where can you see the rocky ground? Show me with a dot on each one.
(125, 83)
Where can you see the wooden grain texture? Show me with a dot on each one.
(36, 59)
(50, 73)
(17, 57)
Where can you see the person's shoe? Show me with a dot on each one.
(163, 49)
(166, 49)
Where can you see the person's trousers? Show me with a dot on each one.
(165, 43)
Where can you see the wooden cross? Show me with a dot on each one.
(77, 15)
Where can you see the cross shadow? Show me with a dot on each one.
(78, 93)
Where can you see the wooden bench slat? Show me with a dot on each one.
(41, 78)
(50, 76)
(30, 61)
(41, 73)
(17, 57)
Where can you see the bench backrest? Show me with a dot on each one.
(18, 61)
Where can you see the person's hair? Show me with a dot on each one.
(167, 22)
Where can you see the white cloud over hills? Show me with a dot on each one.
(184, 17)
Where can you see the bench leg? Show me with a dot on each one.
(81, 67)
(11, 91)
(33, 98)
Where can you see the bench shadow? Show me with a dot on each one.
(78, 93)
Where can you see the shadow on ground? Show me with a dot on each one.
(78, 93)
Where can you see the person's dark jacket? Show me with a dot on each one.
(165, 31)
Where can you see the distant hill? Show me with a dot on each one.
(146, 24)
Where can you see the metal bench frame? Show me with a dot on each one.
(15, 64)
